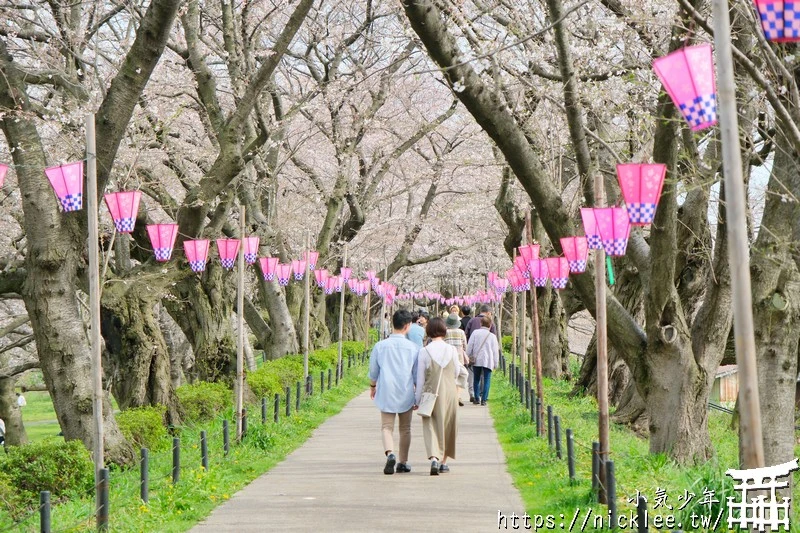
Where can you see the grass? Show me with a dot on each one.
(543, 479)
(174, 508)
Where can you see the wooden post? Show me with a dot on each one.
(383, 306)
(366, 339)
(240, 324)
(307, 315)
(535, 324)
(341, 311)
(94, 307)
(514, 319)
(523, 324)
(751, 445)
(500, 322)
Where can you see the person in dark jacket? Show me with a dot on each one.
(466, 311)
(475, 323)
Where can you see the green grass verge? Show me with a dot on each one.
(543, 479)
(174, 508)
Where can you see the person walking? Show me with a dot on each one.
(392, 370)
(21, 401)
(484, 350)
(438, 368)
(416, 333)
(475, 323)
(456, 338)
(466, 312)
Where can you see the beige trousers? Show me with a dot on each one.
(387, 430)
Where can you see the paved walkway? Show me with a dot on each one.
(335, 482)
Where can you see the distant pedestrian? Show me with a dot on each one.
(21, 402)
(456, 338)
(415, 333)
(392, 370)
(438, 368)
(475, 323)
(454, 309)
(466, 312)
(2, 433)
(484, 350)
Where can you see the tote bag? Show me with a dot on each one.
(428, 399)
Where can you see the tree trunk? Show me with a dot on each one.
(11, 414)
(353, 326)
(283, 340)
(180, 352)
(553, 335)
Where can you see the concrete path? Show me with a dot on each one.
(335, 482)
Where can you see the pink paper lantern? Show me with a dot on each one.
(521, 266)
(346, 273)
(614, 228)
(197, 253)
(688, 77)
(539, 272)
(268, 267)
(339, 283)
(370, 274)
(352, 284)
(491, 276)
(501, 285)
(330, 285)
(590, 228)
(162, 237)
(321, 277)
(3, 172)
(558, 269)
(576, 250)
(528, 253)
(123, 207)
(780, 20)
(312, 257)
(227, 248)
(299, 269)
(283, 271)
(363, 287)
(67, 182)
(641, 187)
(250, 249)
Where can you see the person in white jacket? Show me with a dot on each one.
(485, 351)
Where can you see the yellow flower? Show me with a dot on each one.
(226, 497)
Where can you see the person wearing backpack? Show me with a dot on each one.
(484, 351)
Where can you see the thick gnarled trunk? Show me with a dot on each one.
(11, 414)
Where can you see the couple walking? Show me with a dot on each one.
(399, 373)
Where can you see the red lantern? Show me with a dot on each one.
(3, 171)
(268, 266)
(641, 187)
(780, 20)
(590, 229)
(162, 237)
(312, 257)
(577, 250)
(67, 182)
(123, 207)
(299, 269)
(227, 248)
(284, 272)
(614, 228)
(322, 278)
(539, 272)
(688, 77)
(197, 254)
(558, 269)
(250, 249)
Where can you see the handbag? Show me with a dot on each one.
(474, 355)
(428, 399)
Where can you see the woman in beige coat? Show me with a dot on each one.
(438, 367)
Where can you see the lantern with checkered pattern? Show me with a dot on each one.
(352, 284)
(363, 287)
(250, 249)
(330, 285)
(67, 182)
(501, 285)
(558, 269)
(123, 207)
(299, 269)
(312, 257)
(162, 237)
(268, 266)
(641, 186)
(539, 272)
(521, 265)
(346, 272)
(780, 20)
(590, 229)
(576, 250)
(321, 277)
(3, 172)
(283, 271)
(227, 248)
(688, 77)
(614, 227)
(528, 253)
(524, 281)
(197, 254)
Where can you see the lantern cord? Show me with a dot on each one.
(610, 270)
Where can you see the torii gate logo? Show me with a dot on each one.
(759, 513)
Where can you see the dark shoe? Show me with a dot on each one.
(390, 462)
(444, 468)
(475, 401)
(472, 399)
(460, 403)
(402, 468)
(483, 402)
(434, 467)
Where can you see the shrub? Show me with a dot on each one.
(288, 370)
(144, 426)
(203, 400)
(323, 358)
(264, 382)
(58, 466)
(352, 348)
(507, 341)
(11, 499)
(260, 436)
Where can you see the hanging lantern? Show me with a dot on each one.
(370, 274)
(67, 182)
(162, 237)
(528, 253)
(123, 207)
(299, 269)
(688, 77)
(339, 283)
(501, 285)
(3, 172)
(322, 277)
(227, 248)
(283, 271)
(576, 250)
(780, 20)
(641, 187)
(346, 273)
(558, 269)
(491, 276)
(250, 249)
(590, 229)
(614, 228)
(312, 257)
(522, 266)
(268, 267)
(363, 287)
(539, 272)
(197, 253)
(352, 284)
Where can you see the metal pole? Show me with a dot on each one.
(94, 305)
(307, 297)
(240, 321)
(144, 476)
(204, 450)
(751, 445)
(102, 507)
(44, 511)
(535, 324)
